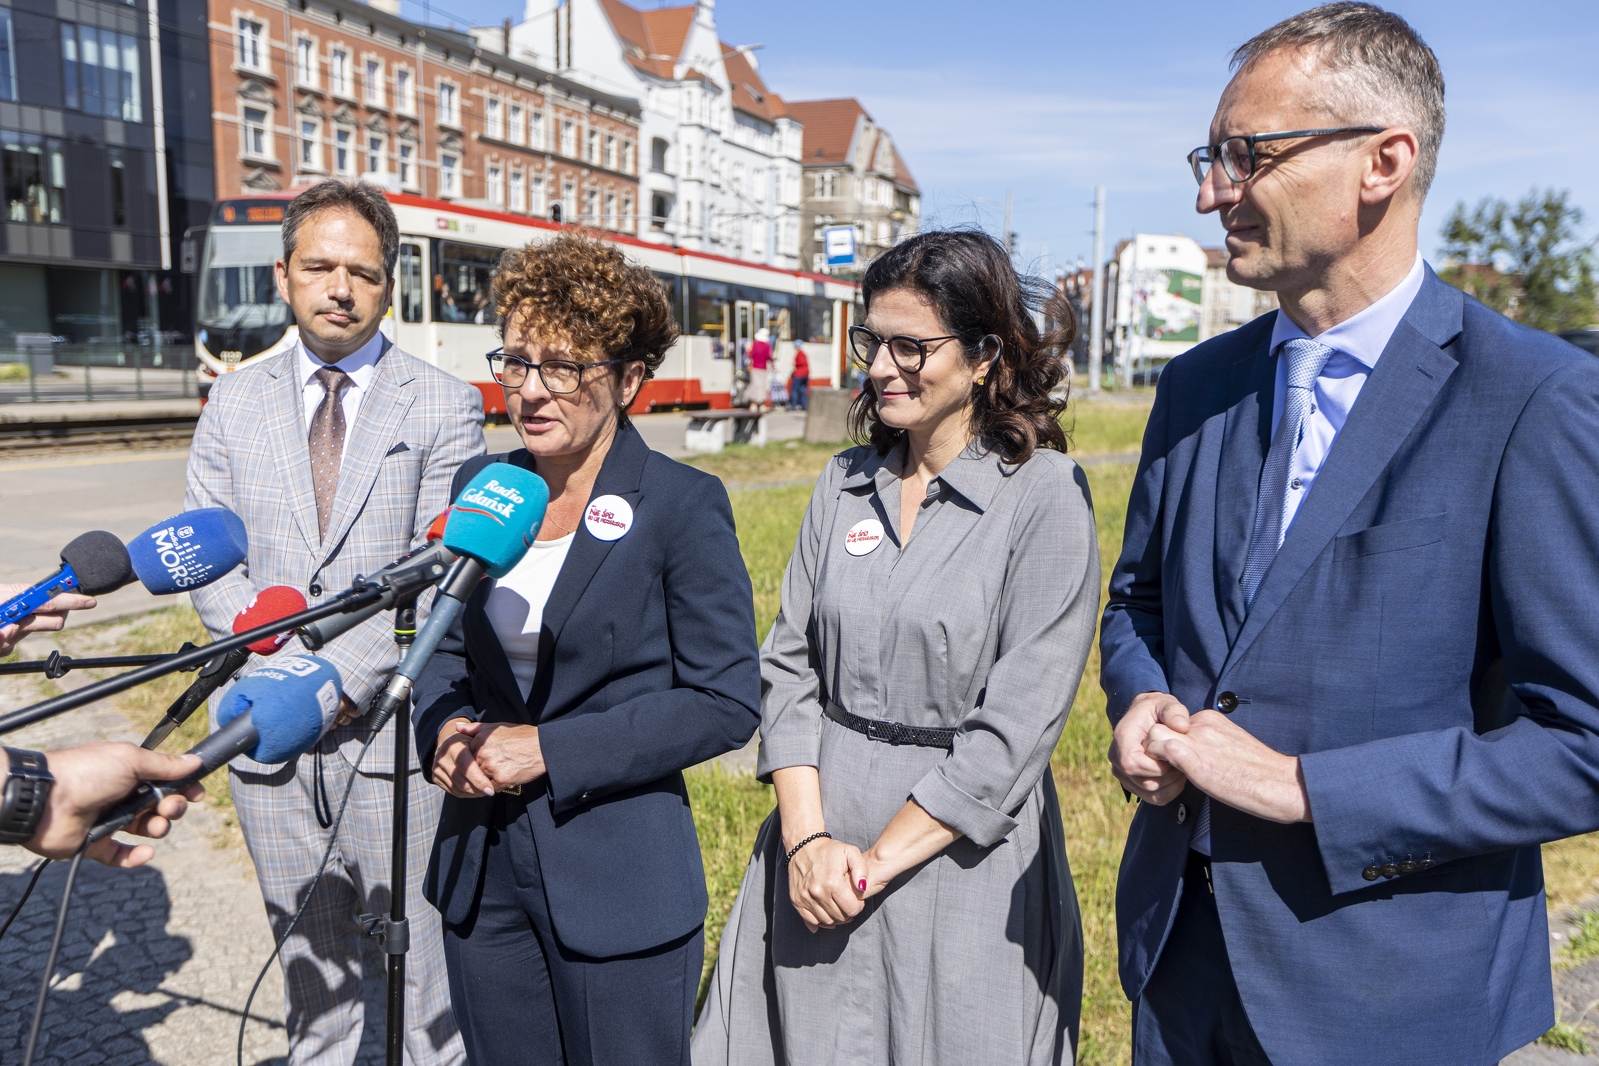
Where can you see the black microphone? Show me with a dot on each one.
(406, 576)
(94, 563)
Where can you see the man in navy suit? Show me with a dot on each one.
(1351, 652)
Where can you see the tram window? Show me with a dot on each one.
(707, 307)
(461, 282)
(411, 290)
(673, 285)
(818, 324)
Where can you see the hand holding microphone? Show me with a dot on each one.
(91, 777)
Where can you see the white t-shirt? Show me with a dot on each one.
(515, 607)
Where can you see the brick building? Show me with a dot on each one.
(311, 89)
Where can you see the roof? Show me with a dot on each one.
(902, 173)
(829, 128)
(653, 40)
(750, 94)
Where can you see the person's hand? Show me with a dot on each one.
(94, 776)
(455, 768)
(47, 619)
(1141, 773)
(509, 754)
(348, 712)
(1229, 765)
(824, 880)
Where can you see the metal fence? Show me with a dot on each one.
(38, 368)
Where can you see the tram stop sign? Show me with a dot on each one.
(839, 242)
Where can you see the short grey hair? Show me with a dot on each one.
(1377, 71)
(364, 198)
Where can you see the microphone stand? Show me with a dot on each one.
(56, 665)
(394, 934)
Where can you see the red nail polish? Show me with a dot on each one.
(862, 885)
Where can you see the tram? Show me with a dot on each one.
(442, 310)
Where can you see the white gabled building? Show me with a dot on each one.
(719, 154)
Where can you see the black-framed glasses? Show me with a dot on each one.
(908, 353)
(1237, 154)
(560, 376)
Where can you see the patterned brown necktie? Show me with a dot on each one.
(327, 442)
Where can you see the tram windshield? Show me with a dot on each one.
(237, 290)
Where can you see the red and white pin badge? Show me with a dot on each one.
(608, 517)
(864, 537)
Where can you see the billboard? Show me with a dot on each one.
(1160, 293)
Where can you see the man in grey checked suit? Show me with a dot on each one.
(337, 455)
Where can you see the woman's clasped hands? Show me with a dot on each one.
(476, 759)
(829, 883)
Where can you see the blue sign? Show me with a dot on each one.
(839, 244)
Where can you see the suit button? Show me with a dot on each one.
(1408, 867)
(1426, 864)
(1371, 873)
(314, 589)
(1227, 702)
(584, 797)
(1182, 813)
(1389, 869)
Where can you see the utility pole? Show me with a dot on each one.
(1010, 237)
(1096, 334)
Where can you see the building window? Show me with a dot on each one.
(658, 211)
(373, 82)
(568, 199)
(827, 186)
(35, 176)
(449, 105)
(343, 161)
(8, 58)
(119, 190)
(514, 124)
(407, 166)
(449, 177)
(305, 62)
(252, 49)
(518, 192)
(592, 147)
(496, 186)
(591, 207)
(339, 72)
(374, 153)
(100, 72)
(404, 92)
(627, 214)
(535, 130)
(611, 221)
(627, 158)
(535, 200)
(568, 139)
(493, 119)
(255, 142)
(611, 161)
(658, 148)
(311, 144)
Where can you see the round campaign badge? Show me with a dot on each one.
(863, 537)
(608, 517)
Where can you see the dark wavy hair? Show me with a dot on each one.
(969, 279)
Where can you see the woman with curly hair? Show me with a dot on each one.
(909, 901)
(578, 687)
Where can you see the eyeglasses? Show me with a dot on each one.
(1237, 154)
(908, 353)
(560, 376)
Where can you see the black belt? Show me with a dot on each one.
(890, 732)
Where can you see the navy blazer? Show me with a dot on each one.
(647, 665)
(1426, 641)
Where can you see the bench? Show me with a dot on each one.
(711, 431)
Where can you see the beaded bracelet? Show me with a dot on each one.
(795, 849)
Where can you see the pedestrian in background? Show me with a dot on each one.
(909, 901)
(799, 381)
(338, 455)
(1348, 651)
(760, 357)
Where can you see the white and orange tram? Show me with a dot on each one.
(442, 311)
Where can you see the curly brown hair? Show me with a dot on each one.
(583, 292)
(969, 278)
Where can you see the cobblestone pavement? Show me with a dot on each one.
(156, 962)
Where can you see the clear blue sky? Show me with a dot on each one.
(1049, 97)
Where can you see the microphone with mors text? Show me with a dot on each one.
(270, 604)
(192, 549)
(273, 715)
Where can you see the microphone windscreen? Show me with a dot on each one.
(188, 551)
(436, 530)
(270, 604)
(291, 703)
(496, 517)
(100, 561)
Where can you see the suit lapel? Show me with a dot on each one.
(286, 432)
(377, 426)
(1406, 380)
(1245, 439)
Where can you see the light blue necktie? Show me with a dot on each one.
(1306, 358)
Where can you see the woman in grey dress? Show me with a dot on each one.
(909, 901)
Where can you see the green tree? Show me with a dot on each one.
(1526, 260)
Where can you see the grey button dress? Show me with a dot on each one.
(982, 622)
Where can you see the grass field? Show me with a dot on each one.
(770, 488)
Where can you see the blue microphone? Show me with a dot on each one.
(95, 563)
(190, 550)
(273, 715)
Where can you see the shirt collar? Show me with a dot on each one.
(360, 364)
(1366, 334)
(976, 473)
